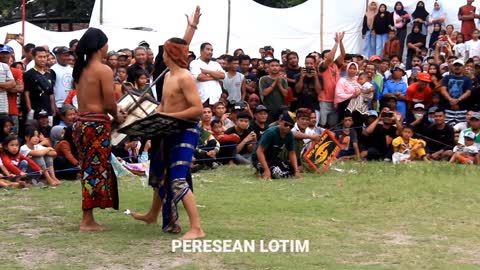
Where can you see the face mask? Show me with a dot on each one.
(417, 115)
(431, 120)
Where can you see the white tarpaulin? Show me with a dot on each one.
(304, 28)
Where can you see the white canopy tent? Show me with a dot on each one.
(304, 28)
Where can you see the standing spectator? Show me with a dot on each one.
(456, 88)
(292, 70)
(416, 41)
(112, 61)
(381, 26)
(28, 53)
(460, 48)
(7, 81)
(234, 81)
(208, 74)
(467, 15)
(400, 20)
(392, 45)
(273, 88)
(437, 27)
(346, 89)
(39, 85)
(308, 86)
(141, 64)
(368, 33)
(473, 45)
(397, 88)
(63, 78)
(439, 137)
(438, 14)
(330, 71)
(420, 16)
(419, 92)
(122, 59)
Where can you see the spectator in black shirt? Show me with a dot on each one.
(292, 70)
(259, 123)
(247, 138)
(39, 82)
(140, 55)
(440, 138)
(308, 86)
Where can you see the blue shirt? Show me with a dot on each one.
(391, 87)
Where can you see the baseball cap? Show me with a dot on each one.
(419, 106)
(243, 115)
(261, 108)
(40, 114)
(432, 109)
(375, 58)
(373, 113)
(458, 62)
(61, 50)
(399, 66)
(288, 117)
(476, 115)
(119, 54)
(470, 135)
(66, 107)
(4, 48)
(423, 76)
(143, 43)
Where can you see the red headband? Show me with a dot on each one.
(178, 53)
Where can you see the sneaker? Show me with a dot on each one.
(215, 165)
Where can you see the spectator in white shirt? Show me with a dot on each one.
(473, 45)
(63, 72)
(208, 74)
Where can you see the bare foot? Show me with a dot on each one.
(92, 227)
(193, 234)
(149, 219)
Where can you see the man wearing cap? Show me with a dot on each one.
(63, 77)
(419, 92)
(456, 88)
(208, 74)
(259, 122)
(377, 76)
(418, 120)
(466, 152)
(140, 54)
(10, 86)
(122, 59)
(474, 127)
(267, 157)
(397, 88)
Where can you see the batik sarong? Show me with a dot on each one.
(99, 183)
(170, 170)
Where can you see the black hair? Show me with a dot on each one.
(396, 56)
(311, 57)
(28, 47)
(30, 131)
(440, 110)
(452, 57)
(292, 53)
(244, 57)
(214, 122)
(179, 41)
(274, 60)
(385, 60)
(72, 42)
(362, 74)
(16, 63)
(8, 139)
(408, 127)
(227, 58)
(325, 53)
(418, 57)
(205, 44)
(38, 49)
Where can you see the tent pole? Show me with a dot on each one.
(101, 12)
(321, 26)
(228, 26)
(366, 5)
(23, 18)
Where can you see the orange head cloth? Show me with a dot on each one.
(177, 52)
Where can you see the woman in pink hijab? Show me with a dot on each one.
(346, 89)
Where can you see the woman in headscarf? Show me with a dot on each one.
(438, 15)
(437, 27)
(420, 16)
(400, 20)
(381, 26)
(367, 30)
(346, 89)
(415, 42)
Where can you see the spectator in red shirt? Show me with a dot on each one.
(419, 92)
(15, 162)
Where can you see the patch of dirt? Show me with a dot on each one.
(19, 207)
(396, 238)
(33, 259)
(465, 255)
(29, 232)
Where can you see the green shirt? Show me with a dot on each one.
(274, 144)
(275, 99)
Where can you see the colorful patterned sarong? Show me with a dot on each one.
(169, 169)
(99, 183)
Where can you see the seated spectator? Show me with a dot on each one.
(303, 135)
(418, 120)
(253, 101)
(220, 113)
(312, 124)
(267, 158)
(66, 163)
(9, 180)
(248, 138)
(207, 150)
(348, 139)
(391, 103)
(474, 127)
(464, 125)
(67, 112)
(380, 134)
(18, 164)
(440, 138)
(259, 123)
(206, 117)
(44, 127)
(42, 156)
(405, 144)
(466, 152)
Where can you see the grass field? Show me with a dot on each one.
(420, 216)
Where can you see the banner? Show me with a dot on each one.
(321, 154)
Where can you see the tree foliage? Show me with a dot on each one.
(280, 3)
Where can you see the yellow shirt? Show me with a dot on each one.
(397, 143)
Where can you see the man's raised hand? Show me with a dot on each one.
(194, 18)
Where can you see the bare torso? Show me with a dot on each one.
(90, 89)
(173, 98)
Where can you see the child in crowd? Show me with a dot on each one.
(460, 48)
(8, 180)
(141, 81)
(66, 162)
(392, 46)
(15, 162)
(41, 155)
(405, 145)
(465, 154)
(220, 113)
(207, 150)
(360, 103)
(218, 131)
